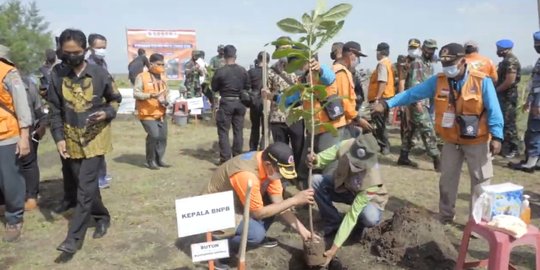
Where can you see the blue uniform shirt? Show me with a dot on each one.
(428, 88)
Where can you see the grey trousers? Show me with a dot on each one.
(12, 184)
(478, 159)
(156, 139)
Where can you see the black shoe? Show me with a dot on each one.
(163, 164)
(70, 246)
(405, 161)
(527, 169)
(152, 165)
(437, 164)
(269, 242)
(101, 229)
(63, 207)
(515, 165)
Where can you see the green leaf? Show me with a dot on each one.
(295, 65)
(294, 115)
(337, 13)
(330, 34)
(306, 19)
(321, 7)
(292, 90)
(329, 128)
(320, 92)
(292, 26)
(311, 39)
(290, 53)
(281, 42)
(326, 25)
(300, 45)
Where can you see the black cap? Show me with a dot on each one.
(229, 51)
(383, 46)
(281, 155)
(353, 47)
(451, 52)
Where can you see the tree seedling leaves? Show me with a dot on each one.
(292, 26)
(337, 12)
(295, 65)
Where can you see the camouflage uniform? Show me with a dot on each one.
(508, 101)
(193, 81)
(217, 62)
(420, 70)
(532, 135)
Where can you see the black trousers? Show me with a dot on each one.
(257, 127)
(30, 170)
(293, 134)
(231, 111)
(381, 133)
(70, 183)
(89, 202)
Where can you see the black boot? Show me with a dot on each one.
(162, 164)
(152, 165)
(405, 161)
(437, 164)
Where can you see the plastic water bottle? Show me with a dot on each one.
(526, 210)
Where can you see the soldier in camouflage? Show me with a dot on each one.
(532, 135)
(218, 61)
(509, 76)
(194, 72)
(415, 69)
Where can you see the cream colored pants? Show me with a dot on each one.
(478, 158)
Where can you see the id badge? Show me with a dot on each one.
(448, 119)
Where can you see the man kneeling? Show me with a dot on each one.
(265, 169)
(356, 181)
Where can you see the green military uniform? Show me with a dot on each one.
(508, 100)
(415, 71)
(193, 77)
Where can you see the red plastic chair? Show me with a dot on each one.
(500, 246)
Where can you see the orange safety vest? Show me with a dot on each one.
(9, 124)
(390, 89)
(469, 102)
(150, 109)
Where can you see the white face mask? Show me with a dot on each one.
(451, 71)
(100, 53)
(414, 53)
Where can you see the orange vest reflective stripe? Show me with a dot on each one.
(9, 125)
(373, 89)
(150, 109)
(469, 102)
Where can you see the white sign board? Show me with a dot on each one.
(210, 250)
(195, 103)
(206, 213)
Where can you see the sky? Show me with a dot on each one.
(249, 24)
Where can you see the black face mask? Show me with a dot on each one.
(73, 60)
(537, 48)
(333, 55)
(501, 53)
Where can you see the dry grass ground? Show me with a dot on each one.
(141, 202)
